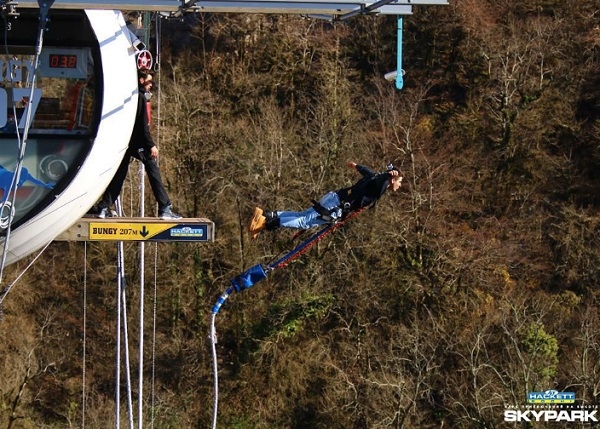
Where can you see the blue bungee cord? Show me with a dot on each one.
(249, 278)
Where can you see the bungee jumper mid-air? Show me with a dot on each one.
(331, 211)
(334, 206)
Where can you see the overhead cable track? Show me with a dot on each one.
(326, 9)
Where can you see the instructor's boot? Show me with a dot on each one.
(258, 222)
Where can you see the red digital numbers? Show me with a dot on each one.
(60, 61)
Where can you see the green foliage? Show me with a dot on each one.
(240, 423)
(542, 349)
(286, 320)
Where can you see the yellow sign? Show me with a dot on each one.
(126, 231)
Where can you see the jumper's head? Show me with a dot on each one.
(396, 177)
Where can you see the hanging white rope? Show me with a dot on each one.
(154, 305)
(213, 342)
(141, 340)
(5, 293)
(142, 213)
(122, 321)
(118, 351)
(126, 338)
(158, 31)
(83, 361)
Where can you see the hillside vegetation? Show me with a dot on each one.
(474, 285)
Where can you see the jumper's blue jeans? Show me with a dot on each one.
(309, 218)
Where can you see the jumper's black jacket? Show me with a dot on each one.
(366, 191)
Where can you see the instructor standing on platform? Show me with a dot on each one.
(142, 147)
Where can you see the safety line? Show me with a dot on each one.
(158, 43)
(118, 351)
(213, 341)
(125, 335)
(122, 325)
(213, 337)
(154, 312)
(84, 339)
(5, 292)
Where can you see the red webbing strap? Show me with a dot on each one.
(303, 250)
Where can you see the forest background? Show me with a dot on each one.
(448, 302)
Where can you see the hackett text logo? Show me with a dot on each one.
(551, 397)
(550, 416)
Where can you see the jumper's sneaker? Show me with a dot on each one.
(258, 222)
(167, 213)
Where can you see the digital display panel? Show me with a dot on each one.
(69, 63)
(62, 61)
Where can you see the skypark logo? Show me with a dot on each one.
(550, 416)
(551, 406)
(551, 397)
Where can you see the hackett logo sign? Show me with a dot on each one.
(551, 397)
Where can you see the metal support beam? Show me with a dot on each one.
(303, 7)
(369, 8)
(141, 5)
(312, 8)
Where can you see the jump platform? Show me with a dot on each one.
(140, 229)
